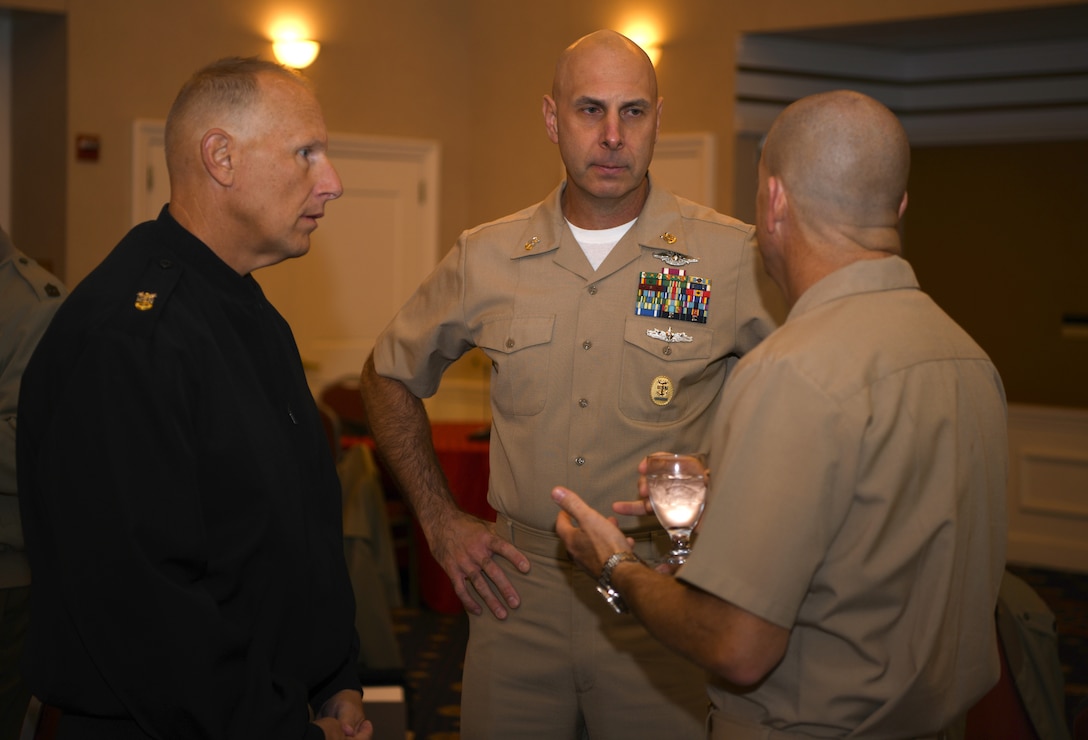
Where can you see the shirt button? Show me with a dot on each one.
(583, 402)
(579, 461)
(666, 351)
(587, 344)
(509, 343)
(593, 290)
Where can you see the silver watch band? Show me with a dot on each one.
(604, 583)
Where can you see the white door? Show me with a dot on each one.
(684, 164)
(374, 246)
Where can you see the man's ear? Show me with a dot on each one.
(551, 119)
(777, 203)
(903, 206)
(216, 149)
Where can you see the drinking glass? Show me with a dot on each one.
(677, 485)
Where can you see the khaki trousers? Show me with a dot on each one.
(564, 665)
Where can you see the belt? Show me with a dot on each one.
(649, 543)
(720, 725)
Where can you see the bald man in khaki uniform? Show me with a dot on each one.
(611, 312)
(853, 544)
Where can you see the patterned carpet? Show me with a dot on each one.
(433, 646)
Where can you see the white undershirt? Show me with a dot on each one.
(597, 243)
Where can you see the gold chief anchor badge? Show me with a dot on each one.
(144, 300)
(662, 390)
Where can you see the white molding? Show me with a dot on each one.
(425, 152)
(685, 164)
(1048, 487)
(1048, 475)
(147, 139)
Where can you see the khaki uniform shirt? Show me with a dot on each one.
(862, 506)
(29, 296)
(579, 390)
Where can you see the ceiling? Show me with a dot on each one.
(1039, 25)
(1008, 76)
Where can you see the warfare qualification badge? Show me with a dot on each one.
(662, 390)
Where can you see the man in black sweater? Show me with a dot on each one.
(181, 505)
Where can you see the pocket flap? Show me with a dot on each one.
(509, 333)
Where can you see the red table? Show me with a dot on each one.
(464, 460)
(465, 463)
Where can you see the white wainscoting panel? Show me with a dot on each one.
(1048, 487)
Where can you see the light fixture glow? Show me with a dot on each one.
(296, 53)
(646, 35)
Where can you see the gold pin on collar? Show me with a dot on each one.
(669, 238)
(531, 243)
(144, 300)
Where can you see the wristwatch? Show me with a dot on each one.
(604, 583)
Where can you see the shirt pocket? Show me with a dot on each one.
(520, 349)
(664, 381)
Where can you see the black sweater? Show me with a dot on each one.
(181, 506)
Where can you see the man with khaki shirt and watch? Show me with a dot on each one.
(853, 542)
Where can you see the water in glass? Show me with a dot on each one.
(677, 486)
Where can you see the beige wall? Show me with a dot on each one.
(392, 68)
(514, 45)
(468, 74)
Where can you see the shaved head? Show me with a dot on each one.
(843, 157)
(604, 113)
(601, 47)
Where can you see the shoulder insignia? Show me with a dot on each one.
(43, 283)
(154, 289)
(145, 300)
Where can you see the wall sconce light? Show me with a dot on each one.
(295, 53)
(646, 35)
